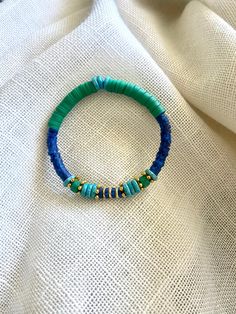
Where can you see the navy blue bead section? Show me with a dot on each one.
(113, 193)
(54, 154)
(106, 192)
(119, 193)
(100, 194)
(164, 148)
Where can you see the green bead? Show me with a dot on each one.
(120, 87)
(158, 110)
(145, 182)
(74, 186)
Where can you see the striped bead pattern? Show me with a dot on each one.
(126, 189)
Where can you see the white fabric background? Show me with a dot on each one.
(170, 249)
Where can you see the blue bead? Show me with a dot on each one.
(113, 193)
(65, 183)
(119, 193)
(106, 192)
(126, 190)
(100, 194)
(164, 148)
(55, 157)
(135, 186)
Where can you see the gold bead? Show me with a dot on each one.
(136, 178)
(152, 181)
(83, 182)
(121, 183)
(80, 188)
(109, 192)
(69, 185)
(77, 178)
(98, 186)
(142, 189)
(123, 195)
(143, 173)
(140, 185)
(96, 197)
(97, 191)
(121, 189)
(117, 196)
(149, 177)
(72, 180)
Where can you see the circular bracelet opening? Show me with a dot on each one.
(132, 186)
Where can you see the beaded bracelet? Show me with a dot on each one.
(126, 189)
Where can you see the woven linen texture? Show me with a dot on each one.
(170, 249)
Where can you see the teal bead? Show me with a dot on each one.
(151, 174)
(67, 181)
(127, 190)
(158, 110)
(135, 186)
(93, 191)
(95, 83)
(132, 191)
(88, 191)
(74, 186)
(84, 189)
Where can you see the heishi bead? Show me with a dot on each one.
(74, 186)
(113, 192)
(132, 191)
(84, 189)
(100, 194)
(144, 181)
(151, 174)
(65, 183)
(135, 186)
(93, 191)
(106, 192)
(127, 190)
(119, 192)
(88, 190)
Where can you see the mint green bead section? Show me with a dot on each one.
(135, 92)
(74, 186)
(110, 85)
(68, 103)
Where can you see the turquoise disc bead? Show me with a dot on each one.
(126, 190)
(135, 186)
